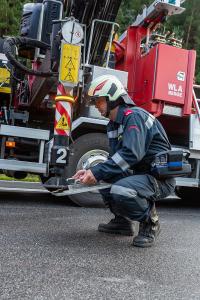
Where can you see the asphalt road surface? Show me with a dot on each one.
(51, 250)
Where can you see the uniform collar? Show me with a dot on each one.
(120, 114)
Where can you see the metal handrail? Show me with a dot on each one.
(91, 37)
(196, 100)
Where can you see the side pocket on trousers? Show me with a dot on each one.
(167, 187)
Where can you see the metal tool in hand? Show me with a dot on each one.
(75, 187)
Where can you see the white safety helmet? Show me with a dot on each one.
(110, 87)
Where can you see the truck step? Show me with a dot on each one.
(23, 166)
(185, 181)
(24, 132)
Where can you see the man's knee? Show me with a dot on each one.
(118, 190)
(127, 202)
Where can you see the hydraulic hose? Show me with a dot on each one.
(9, 50)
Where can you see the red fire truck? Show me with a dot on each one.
(49, 128)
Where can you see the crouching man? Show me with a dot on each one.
(135, 137)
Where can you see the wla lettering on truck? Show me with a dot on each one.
(175, 90)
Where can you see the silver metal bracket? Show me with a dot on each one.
(158, 6)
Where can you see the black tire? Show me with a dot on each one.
(83, 145)
(187, 194)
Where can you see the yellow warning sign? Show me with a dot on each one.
(6, 90)
(4, 75)
(4, 80)
(70, 64)
(63, 123)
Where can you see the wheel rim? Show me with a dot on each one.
(90, 159)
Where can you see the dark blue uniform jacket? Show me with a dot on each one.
(134, 138)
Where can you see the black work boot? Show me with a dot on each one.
(118, 225)
(148, 231)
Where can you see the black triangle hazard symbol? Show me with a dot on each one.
(62, 123)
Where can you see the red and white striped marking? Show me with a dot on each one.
(63, 118)
(61, 90)
(63, 114)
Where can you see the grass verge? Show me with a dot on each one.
(30, 178)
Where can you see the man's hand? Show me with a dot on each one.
(79, 174)
(85, 176)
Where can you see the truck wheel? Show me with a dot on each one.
(187, 194)
(87, 151)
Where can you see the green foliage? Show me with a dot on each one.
(30, 178)
(128, 11)
(10, 14)
(187, 25)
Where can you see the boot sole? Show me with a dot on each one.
(143, 245)
(121, 232)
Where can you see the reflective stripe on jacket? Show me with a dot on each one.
(135, 138)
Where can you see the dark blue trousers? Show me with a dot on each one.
(133, 196)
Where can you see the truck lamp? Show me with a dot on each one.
(10, 144)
